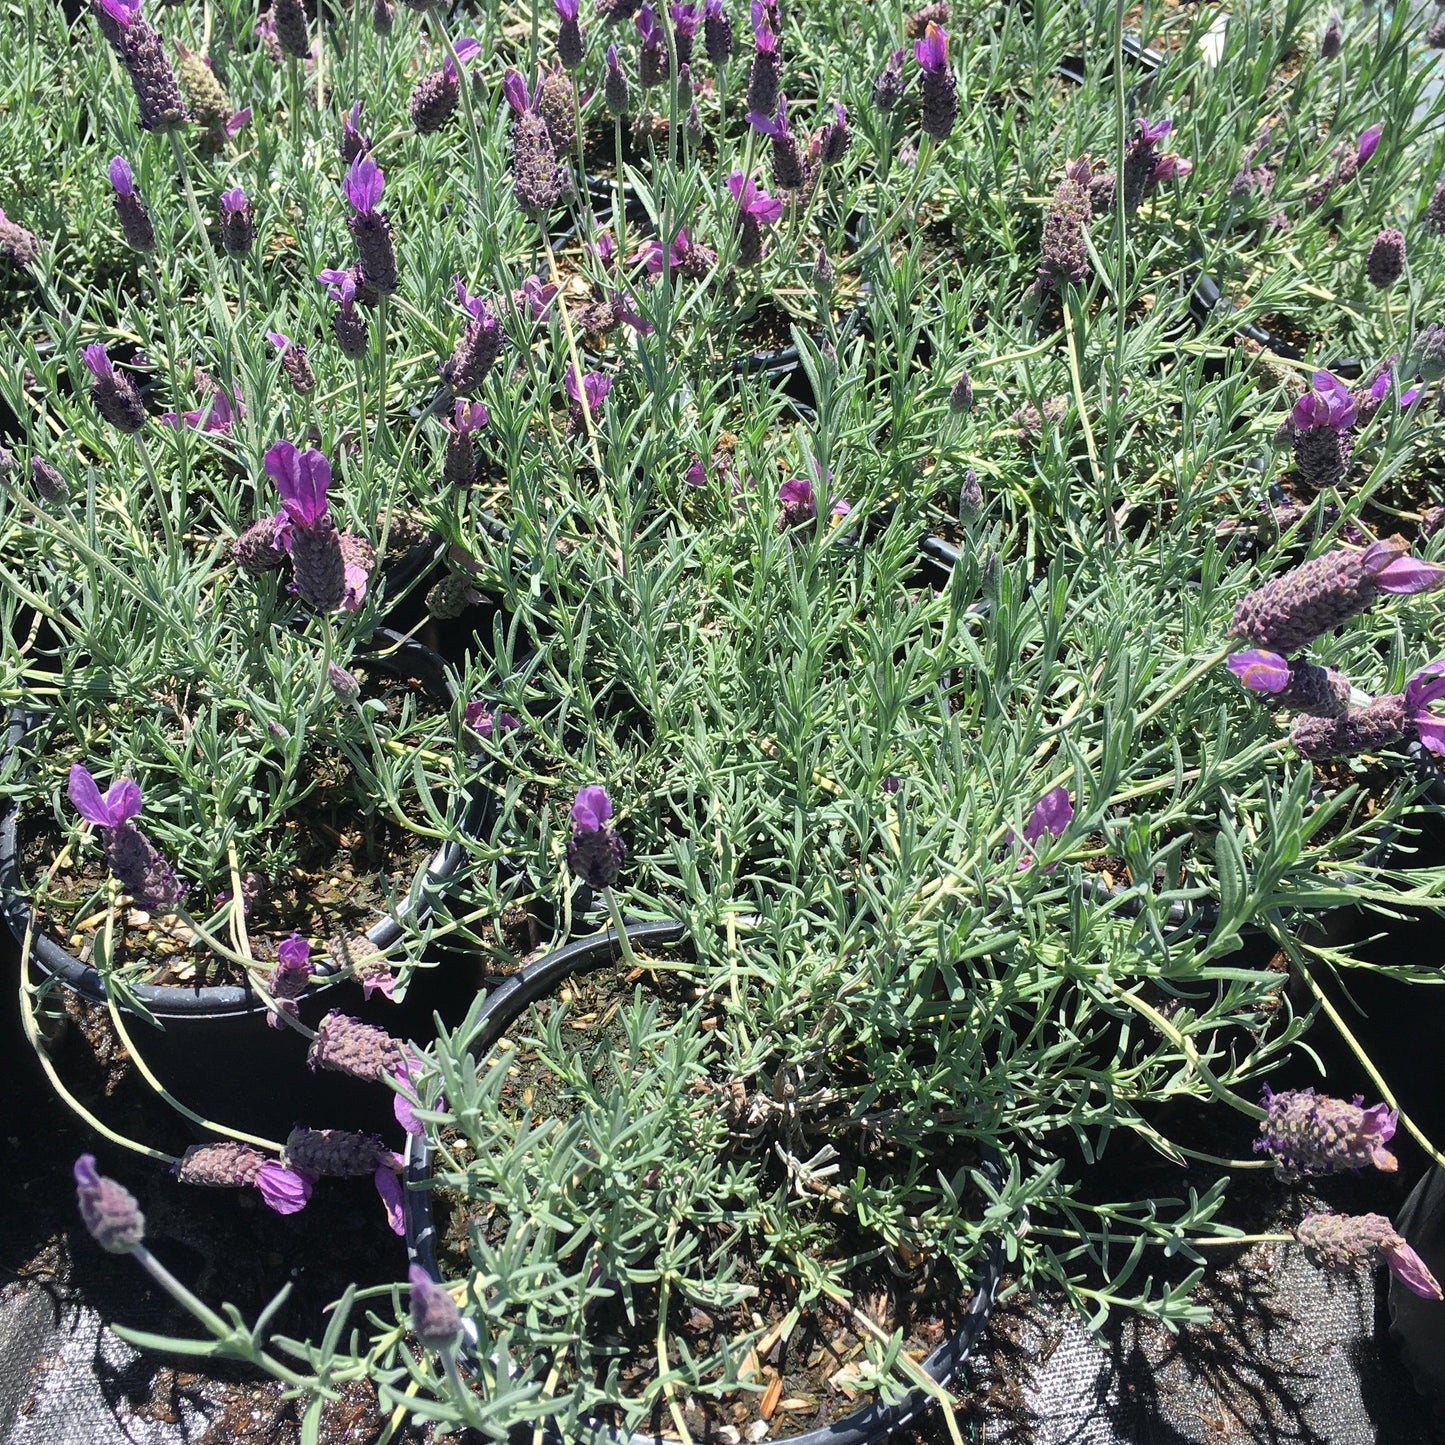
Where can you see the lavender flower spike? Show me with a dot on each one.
(109, 1210)
(1310, 1134)
(157, 91)
(364, 183)
(594, 852)
(238, 222)
(434, 1316)
(130, 855)
(130, 210)
(1346, 1241)
(1288, 613)
(1300, 686)
(115, 396)
(939, 85)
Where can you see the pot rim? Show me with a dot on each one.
(535, 981)
(175, 1001)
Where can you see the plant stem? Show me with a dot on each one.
(474, 138)
(624, 943)
(882, 234)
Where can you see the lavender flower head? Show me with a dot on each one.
(238, 222)
(717, 33)
(756, 209)
(798, 504)
(571, 47)
(1050, 817)
(1287, 613)
(355, 143)
(888, 84)
(1386, 262)
(109, 1210)
(114, 395)
(157, 91)
(1299, 685)
(364, 183)
(1332, 40)
(486, 723)
(685, 18)
(347, 325)
(594, 852)
(1308, 1134)
(477, 350)
(537, 180)
(130, 210)
(652, 51)
(1393, 718)
(939, 85)
(435, 1319)
(614, 87)
(1064, 251)
(305, 527)
(434, 98)
(586, 399)
(765, 78)
(131, 856)
(1348, 1241)
(294, 362)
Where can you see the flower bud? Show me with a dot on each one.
(109, 1210)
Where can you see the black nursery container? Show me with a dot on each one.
(539, 980)
(213, 1048)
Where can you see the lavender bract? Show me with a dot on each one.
(1349, 1241)
(238, 222)
(938, 84)
(364, 184)
(130, 210)
(114, 395)
(109, 1210)
(595, 852)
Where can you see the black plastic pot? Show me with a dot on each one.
(541, 980)
(214, 1049)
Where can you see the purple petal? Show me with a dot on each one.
(467, 48)
(1262, 671)
(233, 200)
(238, 120)
(86, 799)
(122, 178)
(591, 809)
(1369, 139)
(1412, 1272)
(515, 88)
(95, 358)
(123, 12)
(1431, 732)
(364, 184)
(1408, 575)
(1052, 814)
(294, 952)
(389, 1187)
(287, 1191)
(931, 52)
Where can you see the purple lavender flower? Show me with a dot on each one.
(460, 467)
(114, 395)
(348, 326)
(939, 86)
(1386, 262)
(288, 980)
(347, 1046)
(435, 1319)
(798, 505)
(1141, 159)
(1320, 423)
(340, 1154)
(960, 395)
(1393, 718)
(970, 496)
(1289, 612)
(47, 481)
(1347, 165)
(888, 84)
(756, 209)
(1064, 249)
(593, 391)
(652, 52)
(131, 856)
(1299, 686)
(291, 28)
(685, 18)
(238, 222)
(224, 1165)
(788, 173)
(485, 723)
(354, 142)
(1051, 815)
(1332, 40)
(1308, 1134)
(1435, 210)
(765, 78)
(294, 361)
(109, 1210)
(481, 343)
(614, 87)
(130, 210)
(717, 33)
(287, 1191)
(537, 180)
(157, 91)
(434, 98)
(305, 527)
(571, 47)
(364, 183)
(594, 852)
(1348, 1241)
(834, 138)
